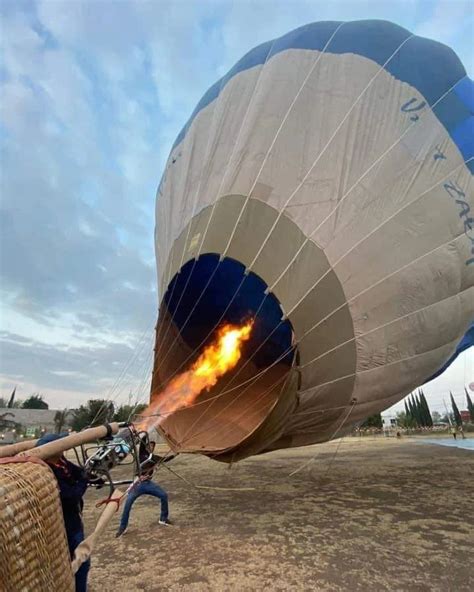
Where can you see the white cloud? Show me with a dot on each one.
(452, 23)
(93, 96)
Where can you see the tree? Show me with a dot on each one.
(35, 402)
(410, 418)
(60, 419)
(436, 417)
(410, 410)
(373, 421)
(11, 402)
(405, 420)
(470, 405)
(95, 412)
(428, 420)
(456, 414)
(12, 399)
(421, 410)
(414, 410)
(126, 412)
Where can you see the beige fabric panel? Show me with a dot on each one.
(430, 279)
(318, 111)
(429, 222)
(339, 167)
(190, 167)
(269, 90)
(333, 365)
(186, 247)
(389, 361)
(422, 331)
(277, 253)
(378, 383)
(308, 266)
(374, 390)
(280, 80)
(273, 426)
(409, 334)
(313, 404)
(401, 177)
(389, 239)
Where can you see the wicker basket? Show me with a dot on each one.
(34, 555)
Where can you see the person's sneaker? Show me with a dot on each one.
(120, 532)
(166, 522)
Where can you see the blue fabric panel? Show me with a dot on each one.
(465, 92)
(466, 342)
(223, 292)
(463, 135)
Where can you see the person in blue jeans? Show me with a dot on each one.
(72, 483)
(146, 486)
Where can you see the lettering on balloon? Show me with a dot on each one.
(413, 105)
(456, 193)
(439, 155)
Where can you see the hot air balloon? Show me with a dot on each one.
(323, 188)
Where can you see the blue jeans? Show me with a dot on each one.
(144, 488)
(73, 539)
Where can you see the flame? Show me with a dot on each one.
(217, 359)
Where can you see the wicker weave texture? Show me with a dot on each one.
(34, 555)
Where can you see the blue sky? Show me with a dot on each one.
(92, 97)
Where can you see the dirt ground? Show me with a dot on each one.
(378, 515)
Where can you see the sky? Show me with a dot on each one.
(92, 96)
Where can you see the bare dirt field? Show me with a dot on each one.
(378, 515)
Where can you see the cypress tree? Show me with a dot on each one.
(421, 411)
(418, 411)
(426, 411)
(412, 411)
(470, 405)
(12, 399)
(456, 414)
(407, 412)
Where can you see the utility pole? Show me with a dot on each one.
(447, 413)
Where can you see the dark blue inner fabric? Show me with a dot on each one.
(430, 67)
(229, 288)
(466, 342)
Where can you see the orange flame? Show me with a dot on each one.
(214, 362)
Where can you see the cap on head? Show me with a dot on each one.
(49, 438)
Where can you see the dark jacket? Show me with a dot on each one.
(149, 466)
(72, 486)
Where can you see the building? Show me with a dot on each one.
(30, 422)
(389, 421)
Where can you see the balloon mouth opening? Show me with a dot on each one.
(203, 296)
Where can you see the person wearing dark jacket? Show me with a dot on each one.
(145, 486)
(72, 484)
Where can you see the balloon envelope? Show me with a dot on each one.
(323, 186)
